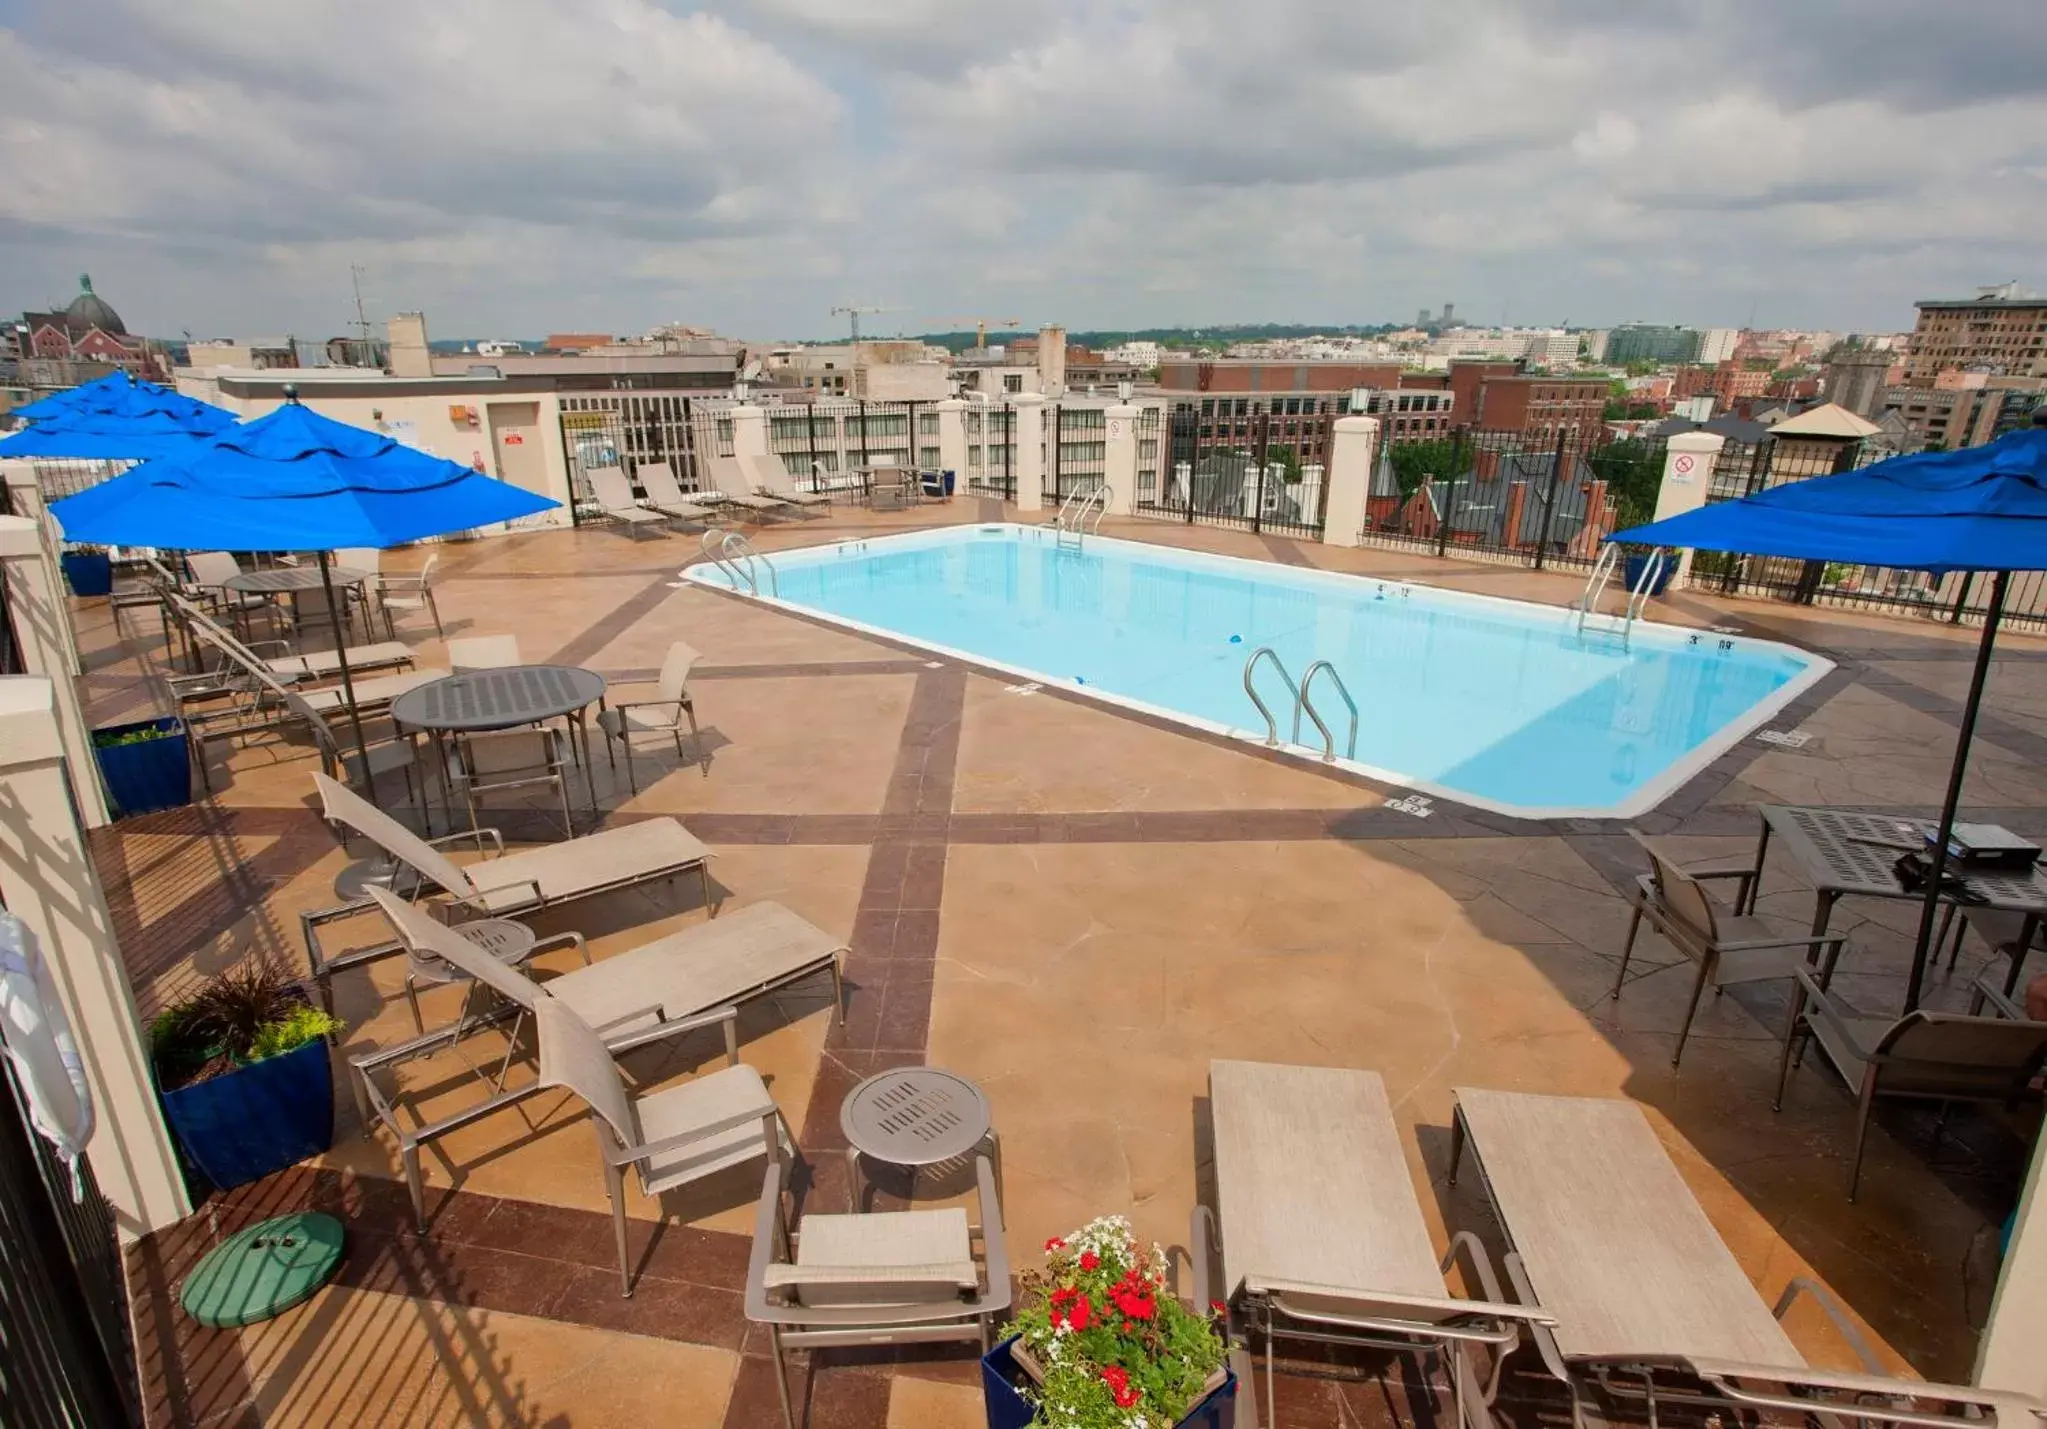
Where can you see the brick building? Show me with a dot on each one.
(88, 331)
(2002, 330)
(1499, 397)
(1256, 374)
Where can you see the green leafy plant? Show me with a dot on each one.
(114, 738)
(1116, 1351)
(244, 1015)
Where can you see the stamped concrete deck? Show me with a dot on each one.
(1077, 909)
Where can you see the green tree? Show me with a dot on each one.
(1633, 472)
(1415, 461)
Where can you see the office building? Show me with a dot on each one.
(1646, 342)
(2002, 330)
(1181, 373)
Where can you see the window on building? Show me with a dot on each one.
(1012, 382)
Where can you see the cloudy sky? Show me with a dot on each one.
(519, 166)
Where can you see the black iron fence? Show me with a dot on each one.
(66, 1354)
(1545, 498)
(1257, 483)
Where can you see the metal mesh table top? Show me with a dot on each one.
(279, 579)
(499, 698)
(914, 1116)
(1846, 852)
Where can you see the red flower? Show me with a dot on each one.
(1133, 1295)
(1218, 1307)
(1089, 1260)
(1118, 1380)
(1054, 1244)
(1072, 1309)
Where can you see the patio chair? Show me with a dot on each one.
(410, 592)
(1727, 947)
(1922, 1056)
(1606, 1239)
(664, 494)
(1321, 1236)
(732, 486)
(340, 759)
(771, 479)
(882, 1278)
(308, 665)
(482, 652)
(615, 495)
(487, 762)
(677, 984)
(211, 570)
(2002, 932)
(669, 1138)
(663, 714)
(503, 884)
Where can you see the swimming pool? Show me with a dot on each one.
(1500, 704)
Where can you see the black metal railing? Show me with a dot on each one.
(1257, 483)
(67, 1357)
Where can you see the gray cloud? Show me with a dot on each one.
(516, 165)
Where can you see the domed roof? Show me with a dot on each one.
(89, 309)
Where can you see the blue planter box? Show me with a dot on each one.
(1633, 567)
(256, 1119)
(88, 572)
(150, 774)
(1008, 1409)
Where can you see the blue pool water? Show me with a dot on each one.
(1499, 703)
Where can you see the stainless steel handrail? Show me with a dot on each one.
(1595, 584)
(738, 548)
(1307, 702)
(1266, 652)
(713, 543)
(1652, 569)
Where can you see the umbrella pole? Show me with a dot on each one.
(334, 616)
(1993, 612)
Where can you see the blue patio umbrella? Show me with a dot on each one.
(294, 481)
(1979, 509)
(114, 418)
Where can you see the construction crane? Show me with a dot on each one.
(852, 314)
(981, 326)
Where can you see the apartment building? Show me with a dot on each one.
(1179, 373)
(2002, 330)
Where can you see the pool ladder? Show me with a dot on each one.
(1602, 575)
(1077, 512)
(1304, 703)
(741, 563)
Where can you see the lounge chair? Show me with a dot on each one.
(663, 714)
(771, 479)
(664, 494)
(1728, 948)
(1321, 1236)
(312, 664)
(883, 1278)
(1922, 1056)
(341, 760)
(615, 495)
(669, 1138)
(1643, 1297)
(730, 483)
(697, 978)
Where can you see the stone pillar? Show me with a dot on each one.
(1688, 461)
(952, 440)
(1352, 450)
(2009, 1355)
(25, 498)
(1119, 424)
(51, 886)
(1030, 450)
(40, 616)
(749, 430)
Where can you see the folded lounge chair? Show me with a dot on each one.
(664, 494)
(615, 495)
(1643, 1298)
(730, 482)
(693, 979)
(1321, 1236)
(771, 479)
(503, 884)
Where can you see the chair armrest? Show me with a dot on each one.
(1984, 991)
(478, 837)
(1202, 1241)
(625, 1155)
(1701, 875)
(995, 1254)
(1818, 1004)
(1802, 940)
(560, 940)
(1835, 1311)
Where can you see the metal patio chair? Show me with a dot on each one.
(665, 713)
(398, 592)
(615, 495)
(482, 652)
(1727, 947)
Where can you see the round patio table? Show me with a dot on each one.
(913, 1117)
(505, 698)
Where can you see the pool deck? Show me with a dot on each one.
(1077, 908)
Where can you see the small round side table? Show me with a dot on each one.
(915, 1117)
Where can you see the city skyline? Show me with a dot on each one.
(525, 165)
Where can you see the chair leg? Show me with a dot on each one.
(1691, 1010)
(1865, 1105)
(1790, 1036)
(1627, 951)
(435, 607)
(614, 1183)
(632, 779)
(412, 1000)
(782, 1377)
(696, 741)
(1947, 922)
(414, 1184)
